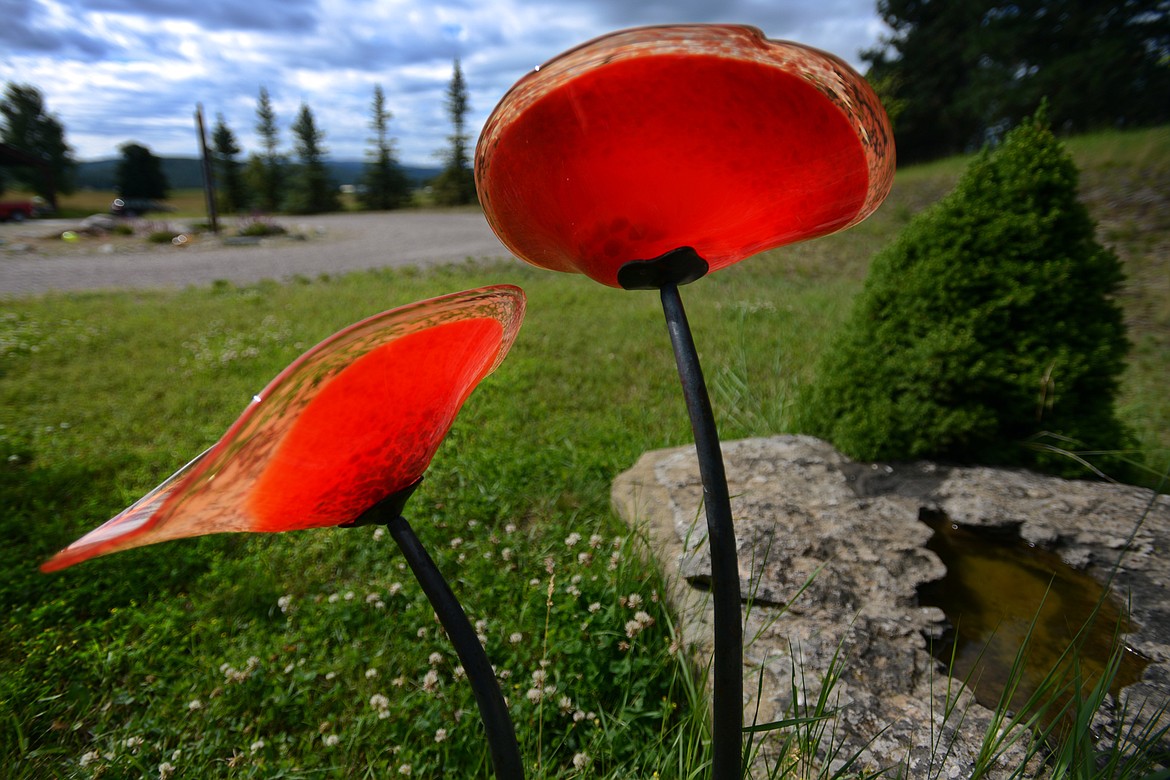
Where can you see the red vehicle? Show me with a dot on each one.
(17, 211)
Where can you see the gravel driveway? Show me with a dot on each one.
(31, 263)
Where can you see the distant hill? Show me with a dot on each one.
(185, 173)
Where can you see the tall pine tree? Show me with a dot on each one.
(312, 191)
(384, 186)
(266, 171)
(455, 186)
(228, 171)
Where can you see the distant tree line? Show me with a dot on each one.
(269, 180)
(955, 75)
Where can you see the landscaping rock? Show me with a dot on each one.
(831, 554)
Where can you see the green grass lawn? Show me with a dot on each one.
(314, 654)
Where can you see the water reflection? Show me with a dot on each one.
(999, 588)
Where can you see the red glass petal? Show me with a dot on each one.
(708, 136)
(353, 420)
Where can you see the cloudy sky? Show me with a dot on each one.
(133, 70)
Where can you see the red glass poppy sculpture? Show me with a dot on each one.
(342, 437)
(649, 157)
(704, 136)
(354, 420)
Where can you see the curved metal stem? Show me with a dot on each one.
(497, 721)
(727, 699)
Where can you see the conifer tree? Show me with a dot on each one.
(228, 171)
(384, 186)
(455, 186)
(312, 191)
(988, 332)
(27, 125)
(139, 174)
(265, 172)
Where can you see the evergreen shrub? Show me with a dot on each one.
(988, 331)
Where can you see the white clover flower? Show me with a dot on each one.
(194, 704)
(440, 735)
(506, 553)
(257, 745)
(285, 603)
(371, 673)
(585, 559)
(565, 704)
(595, 607)
(379, 532)
(430, 681)
(515, 637)
(330, 675)
(580, 760)
(539, 677)
(633, 628)
(421, 633)
(331, 740)
(458, 673)
(481, 625)
(634, 600)
(510, 528)
(88, 758)
(349, 595)
(644, 619)
(404, 769)
(372, 597)
(334, 598)
(379, 702)
(457, 542)
(132, 742)
(395, 588)
(398, 682)
(435, 659)
(572, 539)
(595, 541)
(165, 770)
(534, 695)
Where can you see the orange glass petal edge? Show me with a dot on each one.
(355, 419)
(709, 136)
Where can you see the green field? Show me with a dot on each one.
(272, 656)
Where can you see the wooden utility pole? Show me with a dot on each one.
(208, 181)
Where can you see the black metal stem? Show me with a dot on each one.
(727, 665)
(497, 722)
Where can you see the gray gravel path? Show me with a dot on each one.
(336, 243)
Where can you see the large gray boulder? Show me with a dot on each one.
(831, 555)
